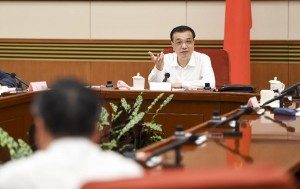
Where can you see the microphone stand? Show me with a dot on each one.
(297, 96)
(177, 158)
(287, 91)
(19, 86)
(279, 97)
(235, 118)
(174, 146)
(236, 131)
(19, 82)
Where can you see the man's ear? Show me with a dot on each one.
(172, 43)
(96, 136)
(41, 136)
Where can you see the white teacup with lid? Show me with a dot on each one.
(276, 85)
(138, 82)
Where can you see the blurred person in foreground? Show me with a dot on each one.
(187, 68)
(66, 128)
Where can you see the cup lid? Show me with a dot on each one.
(274, 81)
(137, 76)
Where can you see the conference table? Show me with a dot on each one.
(263, 139)
(187, 108)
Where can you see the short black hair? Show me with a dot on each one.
(182, 29)
(68, 109)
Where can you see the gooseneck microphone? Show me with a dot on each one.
(287, 91)
(173, 145)
(291, 88)
(13, 75)
(283, 93)
(236, 116)
(167, 75)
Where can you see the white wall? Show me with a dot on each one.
(293, 21)
(135, 20)
(272, 20)
(53, 19)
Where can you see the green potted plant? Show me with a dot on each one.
(125, 129)
(17, 149)
(122, 130)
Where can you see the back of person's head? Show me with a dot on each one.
(182, 29)
(68, 109)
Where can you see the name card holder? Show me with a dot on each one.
(38, 86)
(252, 102)
(160, 86)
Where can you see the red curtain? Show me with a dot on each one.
(238, 23)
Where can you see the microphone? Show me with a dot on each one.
(291, 88)
(173, 145)
(236, 116)
(13, 75)
(167, 75)
(283, 93)
(151, 159)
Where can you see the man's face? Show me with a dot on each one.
(183, 44)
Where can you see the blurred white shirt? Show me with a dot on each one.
(67, 163)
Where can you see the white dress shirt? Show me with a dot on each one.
(195, 74)
(67, 164)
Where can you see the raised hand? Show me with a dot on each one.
(158, 60)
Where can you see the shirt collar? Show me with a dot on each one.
(191, 62)
(69, 141)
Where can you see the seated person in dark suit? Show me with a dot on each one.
(7, 80)
(66, 120)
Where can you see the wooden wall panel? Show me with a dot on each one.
(98, 72)
(47, 70)
(294, 73)
(262, 73)
(101, 71)
(96, 61)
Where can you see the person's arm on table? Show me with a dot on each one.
(207, 76)
(7, 80)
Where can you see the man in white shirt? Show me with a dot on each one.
(66, 127)
(187, 68)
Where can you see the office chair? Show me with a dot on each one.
(252, 177)
(219, 61)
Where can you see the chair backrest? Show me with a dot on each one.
(219, 61)
(251, 178)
